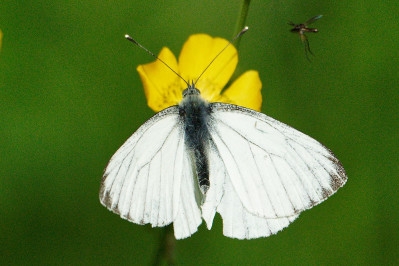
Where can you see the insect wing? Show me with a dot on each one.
(222, 197)
(310, 21)
(239, 223)
(189, 215)
(148, 179)
(276, 171)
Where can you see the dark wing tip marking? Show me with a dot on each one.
(106, 200)
(336, 182)
(326, 193)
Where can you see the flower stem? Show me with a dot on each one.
(241, 20)
(242, 17)
(166, 247)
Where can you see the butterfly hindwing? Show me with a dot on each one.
(221, 197)
(239, 223)
(189, 216)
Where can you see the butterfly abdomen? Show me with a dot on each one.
(194, 112)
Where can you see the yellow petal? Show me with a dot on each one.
(245, 91)
(195, 56)
(161, 86)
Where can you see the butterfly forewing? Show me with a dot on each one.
(275, 170)
(144, 179)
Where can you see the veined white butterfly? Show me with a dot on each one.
(197, 158)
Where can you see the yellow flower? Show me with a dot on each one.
(163, 88)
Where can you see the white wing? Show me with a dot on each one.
(222, 197)
(272, 172)
(241, 224)
(189, 216)
(148, 180)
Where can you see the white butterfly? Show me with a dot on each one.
(194, 159)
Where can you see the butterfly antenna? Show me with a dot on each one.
(235, 38)
(156, 57)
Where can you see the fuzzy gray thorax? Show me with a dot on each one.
(194, 112)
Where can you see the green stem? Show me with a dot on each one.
(242, 17)
(166, 247)
(241, 21)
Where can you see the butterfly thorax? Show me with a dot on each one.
(194, 112)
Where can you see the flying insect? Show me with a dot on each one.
(301, 29)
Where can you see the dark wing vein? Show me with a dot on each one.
(294, 140)
(117, 172)
(267, 152)
(235, 161)
(300, 181)
(263, 184)
(160, 114)
(236, 131)
(307, 166)
(288, 196)
(287, 137)
(310, 169)
(139, 169)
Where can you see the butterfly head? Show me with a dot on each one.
(191, 90)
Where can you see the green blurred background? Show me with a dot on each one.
(70, 96)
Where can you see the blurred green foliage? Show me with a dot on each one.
(70, 96)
